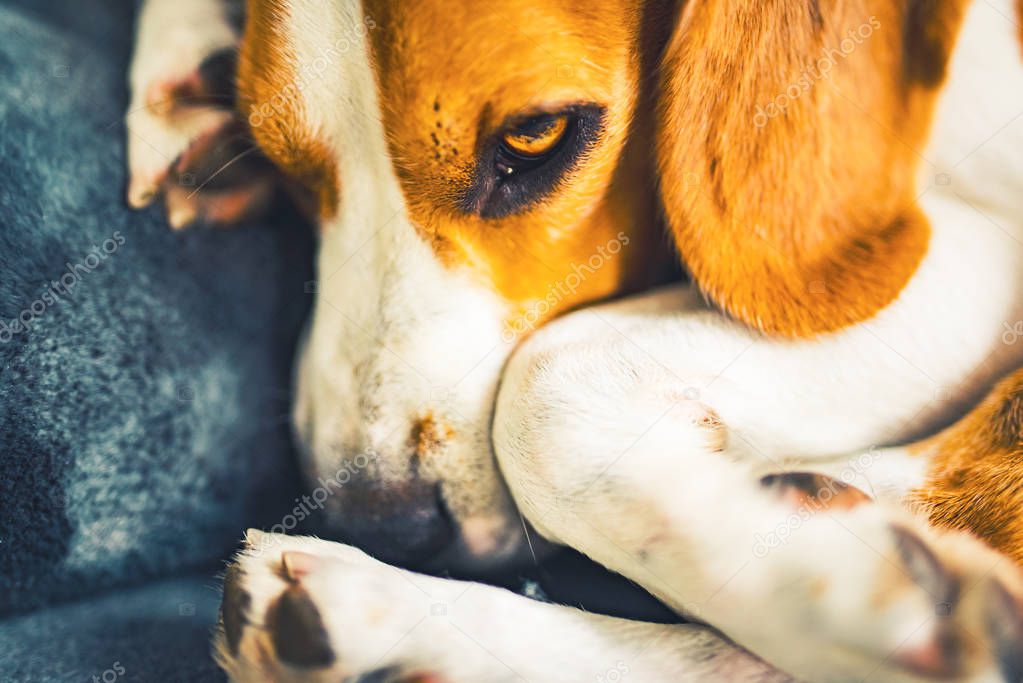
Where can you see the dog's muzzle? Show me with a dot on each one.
(406, 524)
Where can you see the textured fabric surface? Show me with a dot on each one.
(143, 374)
(156, 634)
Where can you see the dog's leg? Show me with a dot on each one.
(611, 434)
(181, 125)
(895, 378)
(302, 609)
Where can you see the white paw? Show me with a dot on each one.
(184, 139)
(882, 595)
(971, 613)
(298, 608)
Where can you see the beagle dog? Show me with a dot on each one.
(765, 449)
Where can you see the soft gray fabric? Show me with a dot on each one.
(156, 634)
(143, 410)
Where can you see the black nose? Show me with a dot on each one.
(404, 524)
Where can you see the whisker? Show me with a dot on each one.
(223, 168)
(529, 541)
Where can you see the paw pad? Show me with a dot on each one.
(814, 491)
(297, 631)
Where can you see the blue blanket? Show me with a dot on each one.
(143, 374)
(158, 633)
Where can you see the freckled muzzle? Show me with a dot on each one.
(412, 479)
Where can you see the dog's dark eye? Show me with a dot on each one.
(532, 140)
(528, 158)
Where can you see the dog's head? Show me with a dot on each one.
(478, 168)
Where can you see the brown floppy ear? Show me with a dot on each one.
(789, 137)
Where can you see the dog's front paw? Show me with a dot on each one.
(975, 630)
(185, 140)
(298, 608)
(910, 603)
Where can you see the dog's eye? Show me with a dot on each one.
(535, 138)
(528, 158)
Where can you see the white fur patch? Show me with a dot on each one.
(395, 336)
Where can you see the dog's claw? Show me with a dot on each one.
(141, 193)
(926, 569)
(181, 210)
(254, 538)
(298, 564)
(939, 653)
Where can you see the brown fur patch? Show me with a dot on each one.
(787, 153)
(428, 435)
(450, 74)
(975, 471)
(270, 100)
(1019, 21)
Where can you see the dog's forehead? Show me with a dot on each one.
(522, 51)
